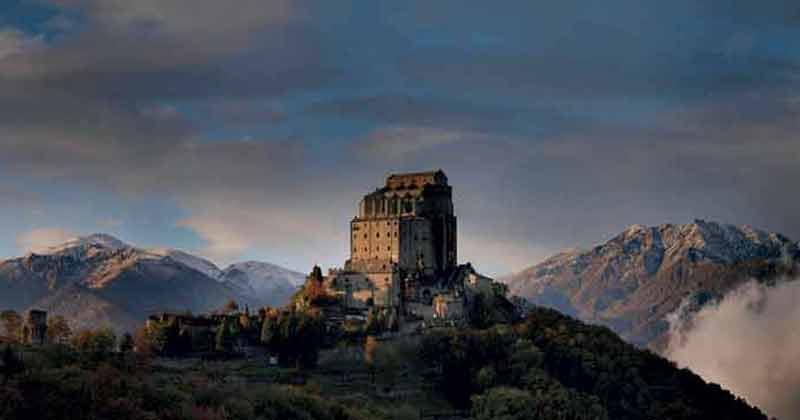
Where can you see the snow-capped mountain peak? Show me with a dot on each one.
(101, 240)
(192, 261)
(264, 280)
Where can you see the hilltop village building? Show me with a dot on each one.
(403, 254)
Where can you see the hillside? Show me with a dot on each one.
(100, 280)
(548, 366)
(552, 366)
(633, 281)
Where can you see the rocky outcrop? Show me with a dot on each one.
(633, 281)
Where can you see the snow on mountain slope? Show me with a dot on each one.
(200, 264)
(98, 239)
(267, 282)
(635, 280)
(99, 279)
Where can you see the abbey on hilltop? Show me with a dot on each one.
(403, 255)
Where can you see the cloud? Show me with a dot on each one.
(109, 223)
(748, 343)
(38, 240)
(398, 109)
(234, 230)
(499, 256)
(398, 142)
(14, 42)
(557, 123)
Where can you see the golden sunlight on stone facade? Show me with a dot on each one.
(403, 254)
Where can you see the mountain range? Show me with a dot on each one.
(635, 281)
(101, 280)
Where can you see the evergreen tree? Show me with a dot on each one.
(12, 364)
(126, 343)
(164, 337)
(224, 339)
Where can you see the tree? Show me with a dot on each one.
(374, 324)
(480, 312)
(244, 322)
(95, 345)
(164, 337)
(230, 306)
(12, 322)
(370, 348)
(269, 330)
(126, 344)
(295, 337)
(12, 365)
(143, 347)
(504, 404)
(224, 338)
(58, 330)
(388, 366)
(308, 340)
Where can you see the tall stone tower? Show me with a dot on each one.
(408, 223)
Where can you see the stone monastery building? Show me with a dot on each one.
(403, 253)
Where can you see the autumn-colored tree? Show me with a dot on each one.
(370, 348)
(230, 306)
(165, 337)
(269, 328)
(143, 349)
(95, 345)
(224, 339)
(12, 322)
(245, 324)
(58, 330)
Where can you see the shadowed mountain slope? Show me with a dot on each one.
(633, 281)
(100, 280)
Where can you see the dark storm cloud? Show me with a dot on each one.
(559, 122)
(453, 113)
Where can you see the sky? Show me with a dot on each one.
(250, 129)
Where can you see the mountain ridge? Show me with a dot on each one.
(100, 280)
(635, 279)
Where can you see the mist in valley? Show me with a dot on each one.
(749, 343)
